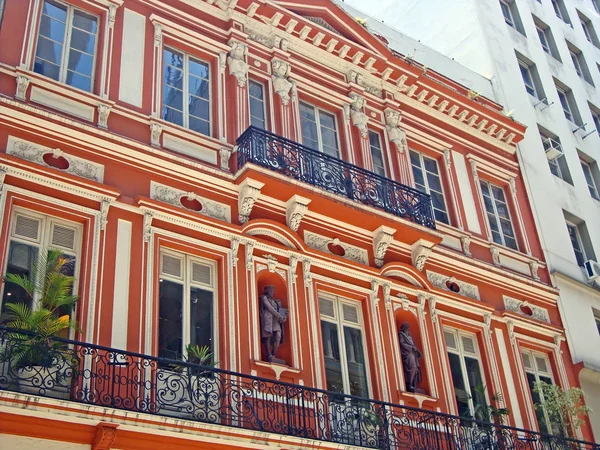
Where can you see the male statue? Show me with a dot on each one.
(410, 358)
(271, 331)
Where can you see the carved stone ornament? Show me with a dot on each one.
(155, 133)
(103, 113)
(443, 282)
(3, 172)
(224, 155)
(35, 153)
(382, 238)
(395, 133)
(293, 268)
(271, 263)
(375, 293)
(357, 78)
(282, 85)
(466, 245)
(249, 193)
(235, 246)
(105, 437)
(534, 267)
(112, 15)
(249, 254)
(236, 60)
(420, 251)
(322, 243)
(158, 36)
(526, 309)
(495, 251)
(387, 297)
(22, 85)
(359, 119)
(487, 321)
(295, 210)
(172, 196)
(104, 206)
(306, 275)
(433, 309)
(510, 325)
(148, 216)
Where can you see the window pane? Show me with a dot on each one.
(49, 50)
(200, 125)
(357, 373)
(309, 133)
(536, 400)
(476, 386)
(198, 69)
(328, 137)
(79, 81)
(199, 108)
(172, 115)
(331, 351)
(327, 120)
(460, 392)
(172, 97)
(199, 87)
(170, 325)
(85, 22)
(201, 318)
(21, 258)
(173, 58)
(255, 90)
(52, 29)
(81, 62)
(83, 41)
(47, 69)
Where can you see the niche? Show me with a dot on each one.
(402, 317)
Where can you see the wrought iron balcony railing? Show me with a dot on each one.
(334, 175)
(106, 377)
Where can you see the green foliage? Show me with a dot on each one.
(200, 355)
(52, 289)
(565, 408)
(492, 412)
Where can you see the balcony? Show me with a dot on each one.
(289, 158)
(90, 374)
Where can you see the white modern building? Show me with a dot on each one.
(543, 58)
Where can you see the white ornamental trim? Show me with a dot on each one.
(466, 289)
(351, 252)
(516, 306)
(173, 196)
(33, 152)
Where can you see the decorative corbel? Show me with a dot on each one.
(405, 302)
(422, 299)
(558, 338)
(495, 251)
(155, 133)
(395, 133)
(433, 309)
(22, 85)
(293, 268)
(249, 254)
(466, 244)
(104, 206)
(112, 15)
(282, 84)
(487, 321)
(513, 186)
(224, 155)
(103, 113)
(271, 263)
(382, 238)
(296, 208)
(105, 437)
(375, 292)
(420, 251)
(534, 267)
(158, 36)
(3, 172)
(473, 164)
(387, 296)
(148, 216)
(510, 326)
(236, 60)
(222, 62)
(235, 246)
(359, 118)
(447, 158)
(306, 272)
(249, 192)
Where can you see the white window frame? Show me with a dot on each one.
(531, 86)
(596, 4)
(596, 119)
(566, 106)
(422, 158)
(589, 178)
(317, 111)
(186, 281)
(43, 243)
(186, 90)
(64, 58)
(497, 216)
(461, 353)
(579, 241)
(543, 37)
(381, 150)
(506, 9)
(576, 63)
(264, 102)
(558, 6)
(585, 24)
(536, 372)
(341, 323)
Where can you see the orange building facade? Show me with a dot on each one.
(186, 154)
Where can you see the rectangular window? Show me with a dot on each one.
(596, 4)
(579, 63)
(498, 215)
(588, 29)
(186, 91)
(595, 116)
(546, 38)
(560, 168)
(376, 153)
(531, 79)
(569, 107)
(319, 130)
(537, 368)
(511, 15)
(256, 94)
(30, 236)
(597, 319)
(506, 11)
(577, 243)
(186, 304)
(66, 45)
(590, 173)
(465, 369)
(561, 11)
(428, 180)
(343, 347)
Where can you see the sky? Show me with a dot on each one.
(376, 8)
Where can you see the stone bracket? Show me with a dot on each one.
(296, 208)
(382, 238)
(419, 253)
(105, 437)
(249, 193)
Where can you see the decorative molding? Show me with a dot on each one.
(510, 326)
(35, 153)
(249, 254)
(433, 309)
(236, 60)
(293, 268)
(534, 266)
(359, 119)
(105, 437)
(235, 246)
(517, 306)
(495, 251)
(112, 15)
(513, 186)
(375, 284)
(419, 253)
(296, 208)
(395, 133)
(224, 155)
(487, 324)
(466, 245)
(351, 252)
(3, 172)
(382, 238)
(104, 206)
(264, 40)
(474, 172)
(172, 196)
(387, 297)
(359, 79)
(156, 130)
(306, 275)
(465, 289)
(271, 263)
(447, 158)
(103, 113)
(158, 35)
(282, 85)
(249, 193)
(148, 216)
(275, 235)
(22, 85)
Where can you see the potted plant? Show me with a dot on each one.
(39, 362)
(565, 408)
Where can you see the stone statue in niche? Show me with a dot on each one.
(272, 316)
(410, 359)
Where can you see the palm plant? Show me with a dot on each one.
(52, 287)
